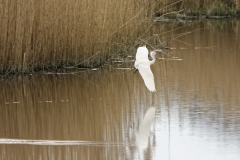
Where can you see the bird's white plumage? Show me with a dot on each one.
(142, 63)
(147, 76)
(142, 53)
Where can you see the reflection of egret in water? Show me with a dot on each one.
(144, 129)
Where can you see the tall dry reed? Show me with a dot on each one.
(52, 32)
(38, 34)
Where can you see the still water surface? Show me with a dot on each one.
(100, 114)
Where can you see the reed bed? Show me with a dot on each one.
(52, 34)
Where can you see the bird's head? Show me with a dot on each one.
(153, 53)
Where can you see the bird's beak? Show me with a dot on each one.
(158, 50)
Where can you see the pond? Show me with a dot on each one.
(99, 114)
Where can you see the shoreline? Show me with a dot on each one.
(165, 18)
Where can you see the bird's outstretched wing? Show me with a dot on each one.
(147, 76)
(142, 53)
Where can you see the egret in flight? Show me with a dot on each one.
(142, 64)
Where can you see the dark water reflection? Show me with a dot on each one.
(197, 107)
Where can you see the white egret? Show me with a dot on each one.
(142, 63)
(144, 129)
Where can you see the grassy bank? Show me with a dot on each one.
(52, 34)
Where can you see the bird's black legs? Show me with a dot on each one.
(135, 70)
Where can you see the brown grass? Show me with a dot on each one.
(51, 32)
(38, 35)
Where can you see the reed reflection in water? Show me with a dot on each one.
(197, 108)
